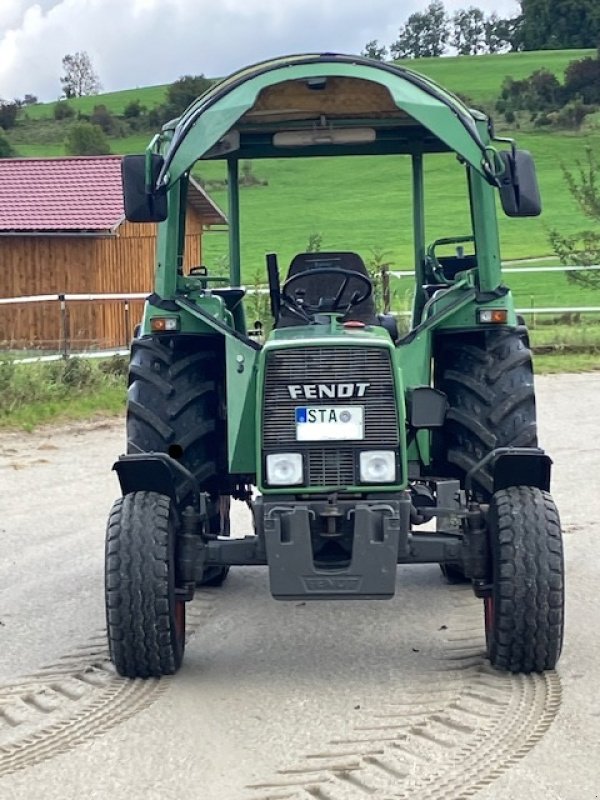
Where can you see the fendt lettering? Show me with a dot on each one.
(320, 391)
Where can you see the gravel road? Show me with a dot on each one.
(329, 701)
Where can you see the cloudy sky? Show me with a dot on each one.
(145, 42)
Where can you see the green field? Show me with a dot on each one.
(480, 77)
(364, 203)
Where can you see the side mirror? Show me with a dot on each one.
(519, 191)
(142, 203)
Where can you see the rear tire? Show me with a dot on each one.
(173, 407)
(145, 618)
(524, 615)
(488, 380)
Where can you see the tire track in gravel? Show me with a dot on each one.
(75, 699)
(451, 730)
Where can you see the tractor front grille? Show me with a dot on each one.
(329, 463)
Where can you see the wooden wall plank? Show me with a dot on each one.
(33, 265)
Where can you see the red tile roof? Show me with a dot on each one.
(71, 195)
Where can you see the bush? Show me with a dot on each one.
(77, 373)
(133, 110)
(6, 149)
(63, 110)
(572, 115)
(7, 375)
(541, 91)
(117, 366)
(102, 117)
(582, 79)
(85, 139)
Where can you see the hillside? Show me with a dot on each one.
(363, 203)
(476, 77)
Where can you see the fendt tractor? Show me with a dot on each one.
(344, 436)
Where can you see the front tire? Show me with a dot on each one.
(524, 614)
(145, 617)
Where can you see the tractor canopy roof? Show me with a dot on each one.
(325, 104)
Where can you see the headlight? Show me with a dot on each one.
(284, 469)
(378, 466)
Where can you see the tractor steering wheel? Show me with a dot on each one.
(327, 304)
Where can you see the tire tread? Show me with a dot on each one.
(528, 580)
(139, 580)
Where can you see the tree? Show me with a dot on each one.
(559, 24)
(8, 114)
(183, 92)
(375, 51)
(582, 249)
(29, 100)
(424, 35)
(85, 139)
(499, 34)
(79, 79)
(468, 34)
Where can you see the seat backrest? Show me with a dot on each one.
(324, 285)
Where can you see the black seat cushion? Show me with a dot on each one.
(327, 286)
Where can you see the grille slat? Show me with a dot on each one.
(330, 463)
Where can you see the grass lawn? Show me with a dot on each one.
(364, 203)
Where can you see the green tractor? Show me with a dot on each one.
(344, 437)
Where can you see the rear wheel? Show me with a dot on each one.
(174, 406)
(145, 617)
(524, 614)
(488, 380)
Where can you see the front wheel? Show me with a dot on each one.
(145, 617)
(524, 613)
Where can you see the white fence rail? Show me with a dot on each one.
(125, 297)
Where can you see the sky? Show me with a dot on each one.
(146, 42)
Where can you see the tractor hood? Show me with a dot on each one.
(322, 105)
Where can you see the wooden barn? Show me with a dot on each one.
(63, 231)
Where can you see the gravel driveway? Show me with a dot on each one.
(329, 701)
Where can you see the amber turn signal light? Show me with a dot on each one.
(164, 324)
(493, 315)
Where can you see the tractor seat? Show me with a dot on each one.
(327, 286)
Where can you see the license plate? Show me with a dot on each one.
(323, 423)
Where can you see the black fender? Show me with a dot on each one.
(515, 466)
(156, 472)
